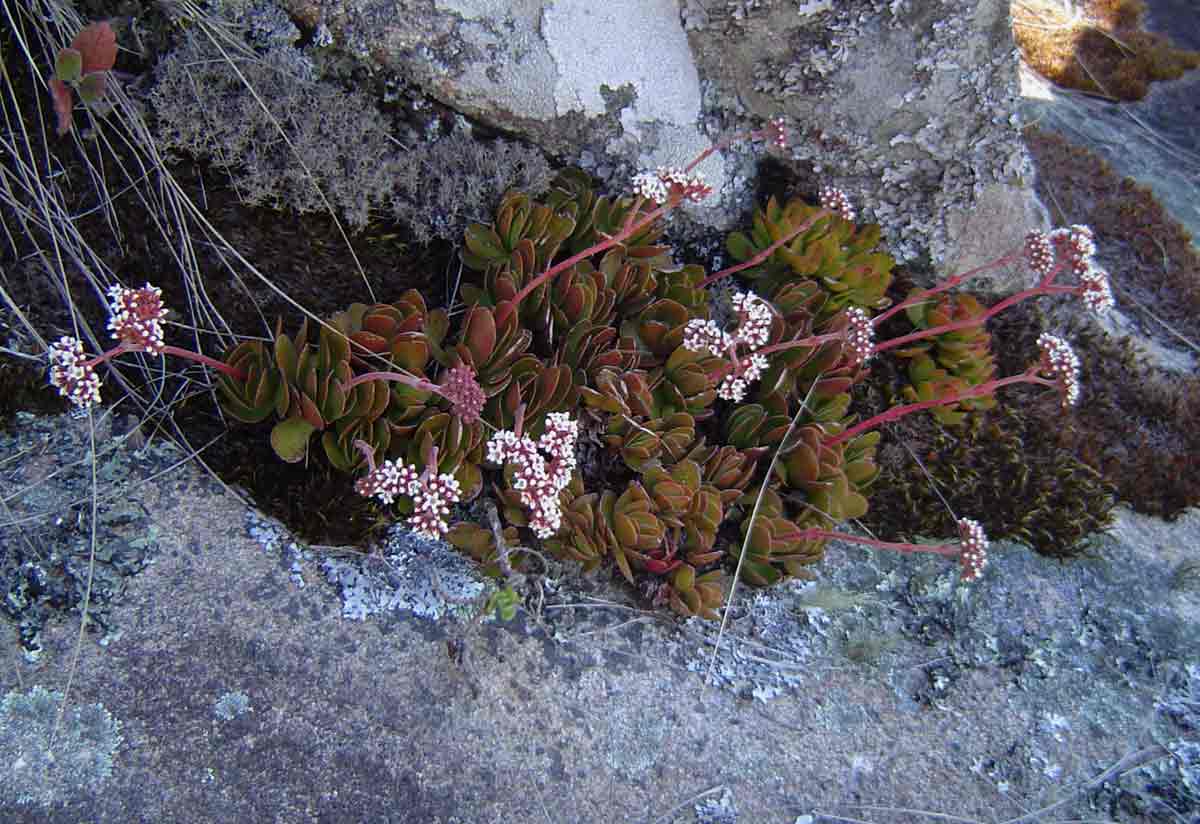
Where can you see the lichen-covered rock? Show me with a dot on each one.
(614, 80)
(906, 106)
(52, 754)
(909, 107)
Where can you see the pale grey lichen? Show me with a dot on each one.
(413, 574)
(927, 151)
(720, 810)
(48, 764)
(232, 705)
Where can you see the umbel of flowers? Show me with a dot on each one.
(725, 445)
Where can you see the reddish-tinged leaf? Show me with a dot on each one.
(480, 335)
(98, 45)
(61, 96)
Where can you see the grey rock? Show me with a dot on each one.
(908, 107)
(54, 754)
(983, 700)
(1155, 140)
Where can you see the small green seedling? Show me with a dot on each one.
(84, 67)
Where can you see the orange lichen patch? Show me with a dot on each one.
(1099, 50)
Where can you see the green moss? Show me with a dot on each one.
(1006, 468)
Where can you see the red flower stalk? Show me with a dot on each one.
(971, 550)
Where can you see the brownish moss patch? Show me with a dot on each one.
(1148, 254)
(1102, 52)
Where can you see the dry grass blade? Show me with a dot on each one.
(712, 662)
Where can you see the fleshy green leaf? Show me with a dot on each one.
(68, 65)
(289, 439)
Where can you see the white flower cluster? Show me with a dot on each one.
(72, 374)
(658, 186)
(973, 555)
(706, 336)
(734, 386)
(837, 201)
(537, 477)
(753, 332)
(432, 494)
(754, 319)
(860, 335)
(136, 316)
(1074, 247)
(1060, 361)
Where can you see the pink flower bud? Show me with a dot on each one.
(836, 200)
(973, 556)
(1039, 252)
(776, 133)
(464, 393)
(1060, 363)
(136, 316)
(1075, 246)
(72, 374)
(860, 336)
(1095, 291)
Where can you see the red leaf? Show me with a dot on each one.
(63, 104)
(98, 45)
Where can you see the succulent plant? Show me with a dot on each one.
(598, 524)
(754, 425)
(305, 386)
(691, 508)
(524, 233)
(620, 393)
(726, 468)
(833, 252)
(658, 330)
(828, 483)
(399, 331)
(773, 545)
(261, 392)
(489, 348)
(699, 595)
(952, 361)
(584, 535)
(684, 383)
(535, 391)
(682, 284)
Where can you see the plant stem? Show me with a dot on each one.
(765, 253)
(186, 354)
(507, 307)
(1042, 289)
(398, 377)
(900, 411)
(948, 550)
(220, 366)
(949, 283)
(736, 137)
(815, 340)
